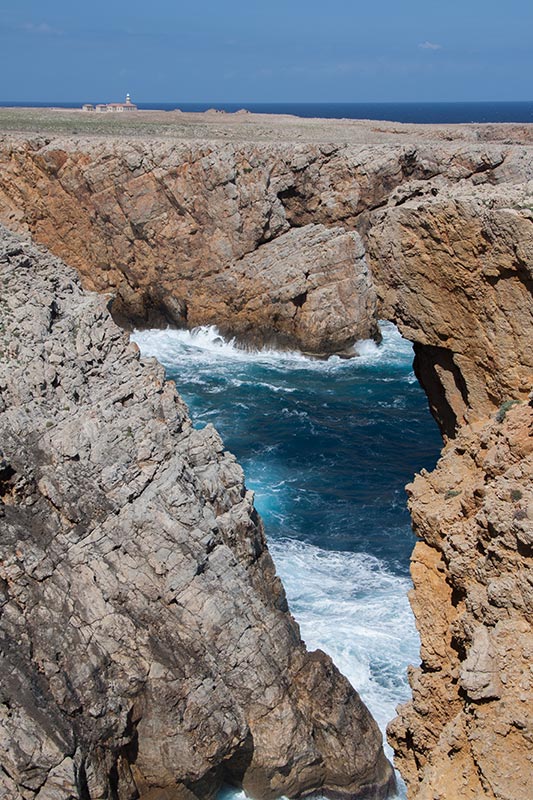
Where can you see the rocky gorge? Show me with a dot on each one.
(300, 245)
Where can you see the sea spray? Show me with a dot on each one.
(354, 608)
(327, 447)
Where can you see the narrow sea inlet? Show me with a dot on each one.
(328, 447)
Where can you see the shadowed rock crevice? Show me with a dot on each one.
(292, 201)
(148, 309)
(444, 385)
(299, 300)
(7, 478)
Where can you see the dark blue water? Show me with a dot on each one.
(437, 113)
(328, 447)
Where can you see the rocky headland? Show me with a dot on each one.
(304, 245)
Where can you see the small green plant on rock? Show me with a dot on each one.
(452, 493)
(516, 495)
(504, 408)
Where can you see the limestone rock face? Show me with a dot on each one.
(468, 732)
(310, 288)
(146, 646)
(235, 234)
(172, 227)
(455, 270)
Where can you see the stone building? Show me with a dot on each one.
(114, 107)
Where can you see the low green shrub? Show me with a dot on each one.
(452, 493)
(504, 408)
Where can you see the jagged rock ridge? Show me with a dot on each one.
(146, 646)
(457, 273)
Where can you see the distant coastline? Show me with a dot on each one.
(429, 113)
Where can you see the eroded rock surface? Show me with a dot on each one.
(146, 647)
(309, 288)
(170, 227)
(468, 732)
(455, 270)
(191, 232)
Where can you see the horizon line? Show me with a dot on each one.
(275, 102)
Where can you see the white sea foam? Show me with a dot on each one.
(229, 793)
(354, 608)
(206, 346)
(206, 339)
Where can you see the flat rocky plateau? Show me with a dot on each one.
(242, 126)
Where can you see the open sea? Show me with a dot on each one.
(328, 447)
(437, 113)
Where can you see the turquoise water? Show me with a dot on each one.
(327, 446)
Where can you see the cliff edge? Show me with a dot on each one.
(146, 646)
(455, 270)
(467, 734)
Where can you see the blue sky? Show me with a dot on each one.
(271, 51)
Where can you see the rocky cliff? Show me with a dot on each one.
(175, 228)
(146, 646)
(253, 236)
(456, 271)
(468, 732)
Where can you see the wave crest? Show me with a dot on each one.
(207, 343)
